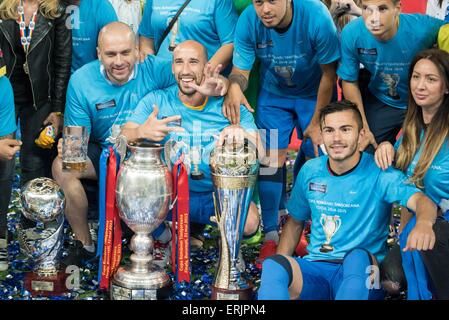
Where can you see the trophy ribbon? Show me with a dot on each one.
(112, 231)
(180, 216)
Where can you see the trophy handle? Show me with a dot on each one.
(337, 223)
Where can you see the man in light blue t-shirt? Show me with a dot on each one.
(8, 148)
(87, 19)
(384, 41)
(348, 199)
(201, 126)
(297, 44)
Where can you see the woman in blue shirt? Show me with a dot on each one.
(423, 154)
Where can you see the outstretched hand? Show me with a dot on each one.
(213, 84)
(155, 129)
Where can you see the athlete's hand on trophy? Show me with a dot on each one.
(8, 148)
(384, 155)
(155, 129)
(232, 134)
(213, 83)
(233, 100)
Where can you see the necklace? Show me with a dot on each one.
(26, 33)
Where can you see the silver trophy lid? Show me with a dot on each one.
(234, 160)
(42, 200)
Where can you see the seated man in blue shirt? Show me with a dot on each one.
(297, 44)
(384, 41)
(101, 96)
(202, 122)
(348, 198)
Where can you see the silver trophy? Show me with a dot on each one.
(43, 202)
(234, 170)
(144, 191)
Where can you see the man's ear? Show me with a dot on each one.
(362, 133)
(98, 54)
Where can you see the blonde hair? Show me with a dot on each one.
(48, 8)
(437, 132)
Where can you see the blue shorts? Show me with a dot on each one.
(284, 114)
(322, 280)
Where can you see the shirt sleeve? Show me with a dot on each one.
(244, 53)
(76, 109)
(298, 206)
(106, 14)
(326, 42)
(145, 28)
(7, 110)
(160, 71)
(349, 64)
(393, 186)
(247, 119)
(225, 20)
(143, 110)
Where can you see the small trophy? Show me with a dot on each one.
(196, 174)
(234, 170)
(43, 202)
(330, 225)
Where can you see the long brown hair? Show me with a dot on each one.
(437, 131)
(48, 8)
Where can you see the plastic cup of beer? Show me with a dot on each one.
(74, 148)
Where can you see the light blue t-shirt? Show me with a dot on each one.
(387, 61)
(436, 180)
(355, 208)
(290, 61)
(7, 111)
(91, 16)
(211, 23)
(93, 101)
(202, 126)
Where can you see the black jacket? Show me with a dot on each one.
(49, 58)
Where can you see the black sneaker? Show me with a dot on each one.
(77, 255)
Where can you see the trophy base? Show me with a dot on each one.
(45, 285)
(130, 285)
(227, 294)
(326, 248)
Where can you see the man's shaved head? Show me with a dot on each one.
(118, 51)
(116, 30)
(192, 45)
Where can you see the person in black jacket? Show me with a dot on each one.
(35, 38)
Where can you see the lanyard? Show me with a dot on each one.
(25, 33)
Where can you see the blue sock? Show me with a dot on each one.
(270, 193)
(355, 282)
(274, 282)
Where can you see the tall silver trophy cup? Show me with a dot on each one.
(234, 170)
(143, 191)
(43, 203)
